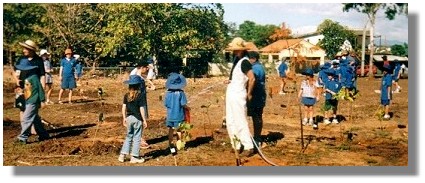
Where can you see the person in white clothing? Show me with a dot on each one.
(237, 94)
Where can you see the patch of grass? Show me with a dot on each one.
(382, 133)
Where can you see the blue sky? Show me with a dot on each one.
(305, 17)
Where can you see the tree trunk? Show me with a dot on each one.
(372, 47)
(363, 50)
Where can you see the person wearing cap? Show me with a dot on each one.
(30, 58)
(386, 94)
(140, 70)
(239, 90)
(49, 78)
(308, 97)
(396, 76)
(283, 72)
(34, 96)
(134, 119)
(332, 87)
(257, 103)
(67, 75)
(151, 74)
(175, 102)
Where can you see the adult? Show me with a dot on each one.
(29, 58)
(237, 94)
(67, 75)
(140, 70)
(45, 55)
(386, 61)
(256, 105)
(283, 72)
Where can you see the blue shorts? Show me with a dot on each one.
(173, 124)
(68, 83)
(308, 101)
(385, 102)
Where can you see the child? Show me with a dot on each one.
(322, 78)
(308, 96)
(175, 101)
(332, 87)
(396, 76)
(49, 79)
(386, 93)
(151, 74)
(134, 119)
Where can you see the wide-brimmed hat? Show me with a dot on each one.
(44, 51)
(133, 80)
(24, 65)
(29, 44)
(327, 65)
(175, 81)
(68, 51)
(237, 44)
(308, 72)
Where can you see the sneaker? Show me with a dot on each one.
(60, 102)
(137, 160)
(315, 126)
(173, 150)
(335, 121)
(121, 158)
(305, 121)
(22, 142)
(310, 122)
(386, 117)
(326, 121)
(282, 93)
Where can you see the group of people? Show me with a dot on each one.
(245, 95)
(34, 84)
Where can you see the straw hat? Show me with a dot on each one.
(237, 44)
(29, 44)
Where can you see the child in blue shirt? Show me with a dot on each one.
(332, 88)
(386, 93)
(134, 119)
(175, 101)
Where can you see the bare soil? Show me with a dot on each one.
(79, 139)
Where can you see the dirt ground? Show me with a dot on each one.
(79, 139)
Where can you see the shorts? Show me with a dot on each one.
(79, 75)
(49, 78)
(173, 124)
(68, 83)
(308, 101)
(385, 102)
(331, 104)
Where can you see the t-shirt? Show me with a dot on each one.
(39, 70)
(259, 90)
(332, 85)
(174, 102)
(307, 90)
(385, 83)
(133, 107)
(68, 69)
(282, 69)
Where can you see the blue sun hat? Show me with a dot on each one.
(175, 81)
(133, 80)
(24, 65)
(327, 65)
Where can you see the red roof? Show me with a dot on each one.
(280, 45)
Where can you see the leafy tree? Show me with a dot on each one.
(371, 9)
(334, 36)
(280, 33)
(259, 34)
(399, 50)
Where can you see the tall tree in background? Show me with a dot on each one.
(259, 34)
(334, 36)
(371, 9)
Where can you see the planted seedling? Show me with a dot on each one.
(184, 129)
